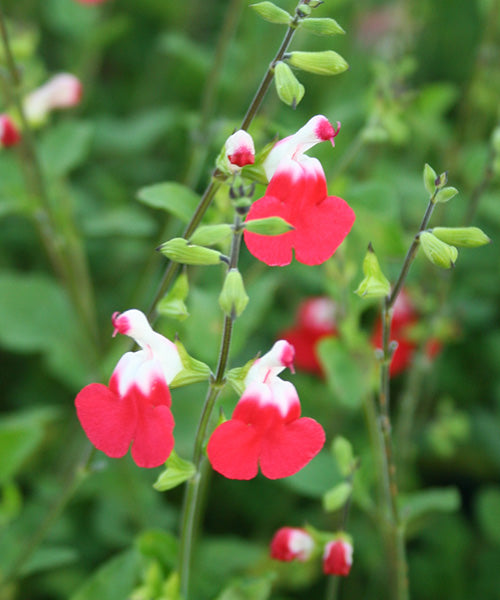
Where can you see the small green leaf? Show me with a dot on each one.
(268, 226)
(335, 498)
(289, 89)
(322, 26)
(236, 377)
(177, 471)
(272, 13)
(421, 504)
(173, 304)
(342, 452)
(430, 177)
(193, 371)
(172, 197)
(65, 146)
(327, 62)
(466, 237)
(440, 254)
(445, 194)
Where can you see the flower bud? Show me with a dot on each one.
(292, 543)
(327, 62)
(337, 558)
(268, 226)
(445, 194)
(61, 91)
(9, 134)
(272, 13)
(323, 26)
(288, 87)
(375, 284)
(466, 237)
(233, 297)
(440, 254)
(240, 150)
(181, 251)
(208, 235)
(430, 177)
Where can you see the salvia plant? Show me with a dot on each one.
(250, 383)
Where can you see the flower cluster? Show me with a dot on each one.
(315, 320)
(297, 193)
(266, 428)
(293, 543)
(404, 319)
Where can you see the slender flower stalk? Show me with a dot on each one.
(61, 243)
(192, 498)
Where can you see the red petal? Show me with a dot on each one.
(233, 450)
(321, 230)
(276, 250)
(291, 447)
(153, 441)
(108, 420)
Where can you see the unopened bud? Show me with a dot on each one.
(208, 235)
(441, 180)
(233, 297)
(327, 62)
(440, 254)
(375, 284)
(323, 26)
(240, 150)
(9, 134)
(445, 194)
(272, 13)
(268, 226)
(430, 177)
(466, 237)
(181, 251)
(288, 87)
(337, 557)
(303, 10)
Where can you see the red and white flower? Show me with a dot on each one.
(315, 321)
(337, 558)
(291, 543)
(9, 134)
(266, 428)
(297, 192)
(61, 91)
(135, 407)
(240, 150)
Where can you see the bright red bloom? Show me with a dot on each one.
(337, 558)
(404, 318)
(297, 192)
(315, 321)
(266, 428)
(291, 543)
(135, 407)
(9, 134)
(240, 150)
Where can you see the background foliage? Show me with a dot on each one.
(161, 93)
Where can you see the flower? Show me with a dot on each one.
(315, 321)
(291, 543)
(61, 91)
(135, 407)
(337, 558)
(297, 192)
(240, 150)
(266, 428)
(9, 134)
(404, 319)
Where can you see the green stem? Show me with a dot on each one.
(191, 512)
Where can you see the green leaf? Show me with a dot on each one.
(322, 26)
(416, 506)
(208, 235)
(49, 557)
(194, 370)
(173, 304)
(178, 471)
(335, 498)
(488, 512)
(160, 546)
(272, 13)
(446, 194)
(430, 177)
(248, 589)
(65, 146)
(342, 452)
(114, 580)
(172, 197)
(327, 62)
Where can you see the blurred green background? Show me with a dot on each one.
(165, 83)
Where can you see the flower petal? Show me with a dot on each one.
(153, 441)
(108, 420)
(291, 447)
(233, 450)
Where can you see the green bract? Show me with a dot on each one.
(268, 226)
(440, 254)
(181, 251)
(233, 297)
(327, 62)
(272, 13)
(323, 26)
(288, 87)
